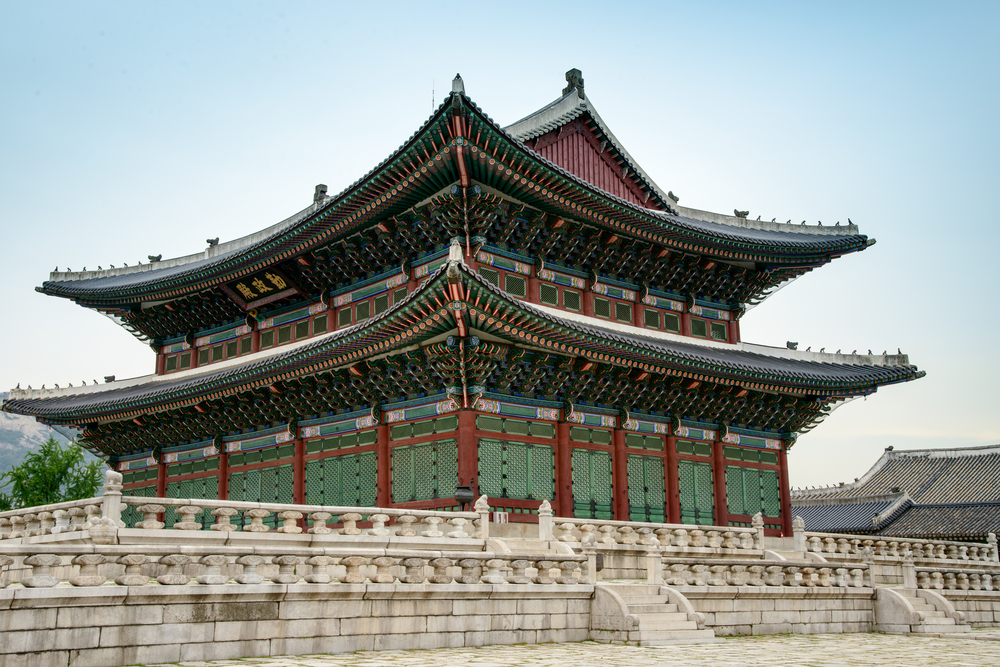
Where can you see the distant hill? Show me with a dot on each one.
(19, 435)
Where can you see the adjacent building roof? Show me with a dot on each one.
(950, 493)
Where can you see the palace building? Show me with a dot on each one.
(520, 310)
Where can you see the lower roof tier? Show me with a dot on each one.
(459, 334)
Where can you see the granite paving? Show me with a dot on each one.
(844, 650)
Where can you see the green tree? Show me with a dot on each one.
(51, 474)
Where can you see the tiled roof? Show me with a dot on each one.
(852, 516)
(961, 475)
(966, 521)
(840, 378)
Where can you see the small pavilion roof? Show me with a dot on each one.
(765, 369)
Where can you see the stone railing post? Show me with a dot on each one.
(440, 575)
(383, 569)
(468, 575)
(41, 570)
(257, 517)
(654, 567)
(405, 523)
(250, 564)
(544, 568)
(483, 507)
(149, 514)
(289, 522)
(222, 520)
(378, 526)
(758, 524)
(799, 534)
(88, 575)
(432, 523)
(352, 566)
(320, 569)
(567, 568)
(133, 570)
(459, 530)
(111, 502)
(517, 571)
(62, 522)
(213, 569)
(174, 576)
(591, 572)
(187, 522)
(909, 573)
(46, 523)
(286, 569)
(350, 521)
(493, 572)
(77, 517)
(319, 526)
(991, 540)
(545, 522)
(414, 570)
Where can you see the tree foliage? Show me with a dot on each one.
(53, 473)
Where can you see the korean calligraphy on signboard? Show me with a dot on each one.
(260, 288)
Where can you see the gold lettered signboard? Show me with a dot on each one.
(260, 288)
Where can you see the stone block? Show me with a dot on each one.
(543, 606)
(732, 630)
(851, 616)
(406, 641)
(44, 659)
(50, 640)
(569, 621)
(28, 619)
(490, 606)
(225, 650)
(296, 609)
(314, 645)
(76, 617)
(470, 623)
(500, 637)
(737, 617)
(772, 629)
(562, 635)
(383, 626)
(770, 617)
(165, 633)
(414, 607)
(220, 611)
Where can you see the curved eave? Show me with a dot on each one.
(383, 191)
(429, 312)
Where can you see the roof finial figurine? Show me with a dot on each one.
(673, 196)
(758, 218)
(788, 222)
(849, 221)
(574, 81)
(84, 268)
(155, 258)
(822, 349)
(109, 378)
(319, 194)
(99, 268)
(803, 222)
(773, 219)
(212, 242)
(740, 214)
(820, 223)
(55, 270)
(899, 351)
(838, 224)
(458, 85)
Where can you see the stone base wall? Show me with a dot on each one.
(117, 625)
(756, 610)
(981, 608)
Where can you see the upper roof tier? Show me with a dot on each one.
(529, 198)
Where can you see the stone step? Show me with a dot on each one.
(661, 638)
(667, 616)
(651, 608)
(939, 629)
(647, 625)
(938, 620)
(644, 599)
(627, 590)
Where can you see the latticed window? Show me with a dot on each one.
(302, 330)
(671, 322)
(548, 294)
(515, 285)
(749, 490)
(515, 426)
(356, 439)
(398, 295)
(343, 319)
(381, 303)
(571, 300)
(718, 331)
(602, 307)
(263, 485)
(640, 441)
(591, 435)
(319, 325)
(623, 312)
(491, 276)
(203, 488)
(284, 334)
(695, 485)
(699, 328)
(516, 470)
(651, 318)
(646, 496)
(408, 430)
(362, 311)
(592, 489)
(424, 471)
(349, 480)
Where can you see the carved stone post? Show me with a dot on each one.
(799, 534)
(383, 569)
(250, 564)
(991, 540)
(187, 522)
(174, 576)
(352, 564)
(909, 573)
(222, 517)
(459, 531)
(111, 502)
(133, 570)
(378, 525)
(432, 523)
(320, 569)
(213, 569)
(758, 524)
(544, 575)
(414, 570)
(517, 571)
(483, 507)
(149, 515)
(318, 526)
(493, 573)
(289, 522)
(350, 521)
(286, 569)
(654, 567)
(62, 522)
(468, 575)
(257, 517)
(88, 575)
(440, 575)
(545, 522)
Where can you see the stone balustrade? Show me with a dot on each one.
(141, 565)
(719, 572)
(669, 537)
(957, 579)
(855, 546)
(52, 519)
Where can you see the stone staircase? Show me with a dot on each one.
(660, 620)
(935, 620)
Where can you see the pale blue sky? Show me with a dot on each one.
(131, 130)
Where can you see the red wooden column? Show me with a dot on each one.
(588, 303)
(719, 481)
(383, 496)
(672, 485)
(223, 474)
(564, 471)
(161, 480)
(299, 473)
(685, 322)
(161, 363)
(637, 313)
(786, 493)
(533, 295)
(732, 331)
(255, 340)
(619, 475)
(468, 450)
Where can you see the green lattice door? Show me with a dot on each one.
(695, 485)
(646, 497)
(425, 471)
(592, 492)
(203, 488)
(343, 480)
(263, 485)
(749, 490)
(516, 470)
